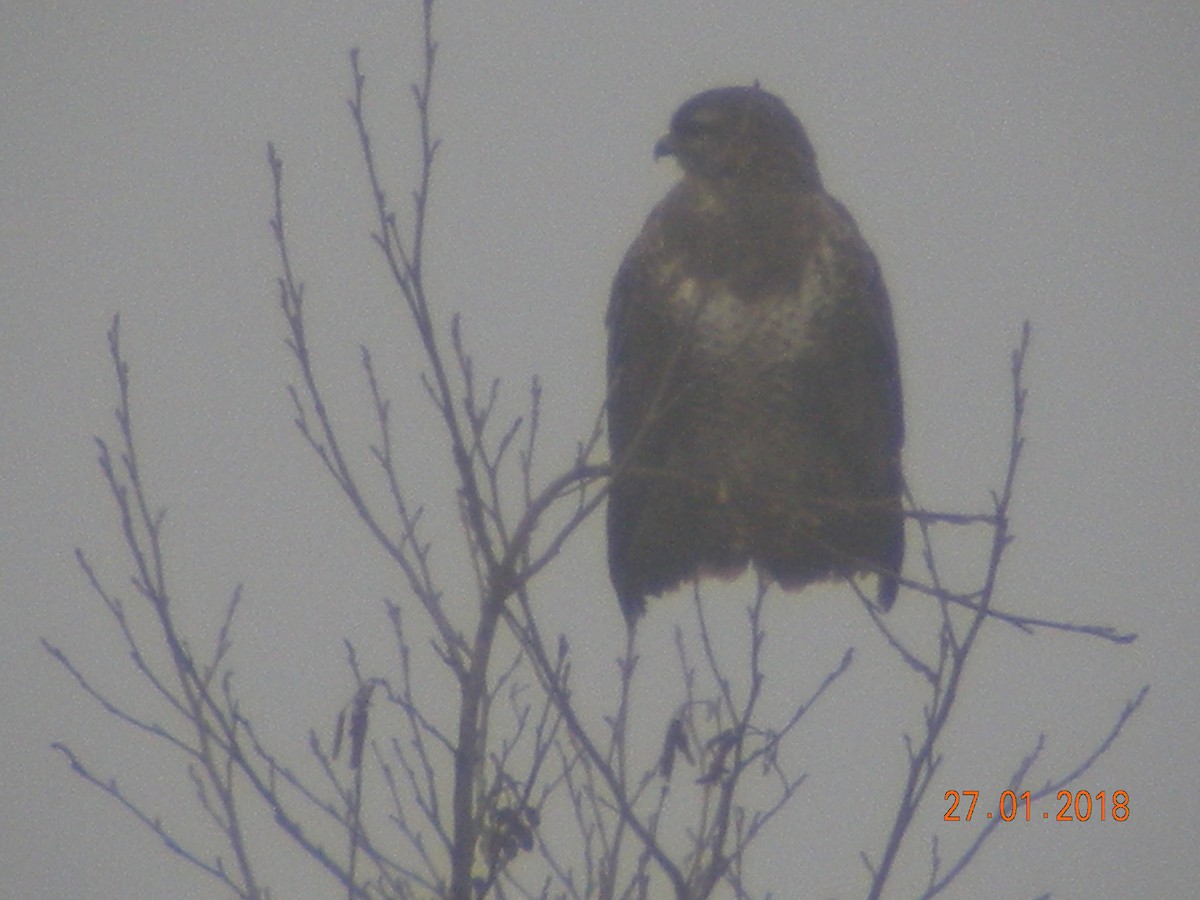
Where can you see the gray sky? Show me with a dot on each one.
(1005, 161)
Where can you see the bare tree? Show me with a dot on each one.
(430, 804)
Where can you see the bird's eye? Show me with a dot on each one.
(694, 127)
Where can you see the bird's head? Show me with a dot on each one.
(740, 132)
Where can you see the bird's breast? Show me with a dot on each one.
(744, 338)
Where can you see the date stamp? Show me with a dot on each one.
(1076, 806)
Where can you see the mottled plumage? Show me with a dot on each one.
(754, 401)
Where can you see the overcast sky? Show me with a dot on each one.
(1006, 161)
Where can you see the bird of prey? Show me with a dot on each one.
(754, 406)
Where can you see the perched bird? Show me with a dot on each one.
(754, 407)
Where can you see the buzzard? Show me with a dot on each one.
(754, 404)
